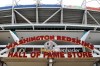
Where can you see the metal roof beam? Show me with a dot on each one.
(98, 1)
(23, 17)
(61, 20)
(78, 25)
(51, 16)
(93, 18)
(13, 15)
(37, 15)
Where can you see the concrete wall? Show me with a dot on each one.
(44, 62)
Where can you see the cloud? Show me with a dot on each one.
(65, 2)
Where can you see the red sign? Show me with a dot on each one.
(51, 54)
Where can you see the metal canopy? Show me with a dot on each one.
(46, 14)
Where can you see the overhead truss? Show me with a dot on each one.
(45, 22)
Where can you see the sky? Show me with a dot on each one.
(93, 3)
